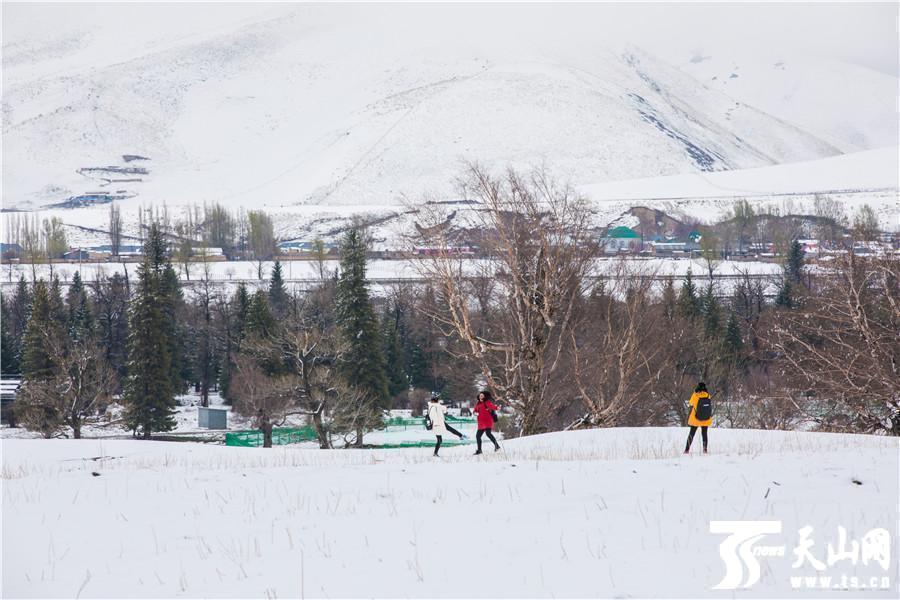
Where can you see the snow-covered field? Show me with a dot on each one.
(606, 513)
(376, 270)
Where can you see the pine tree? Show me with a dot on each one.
(793, 277)
(235, 320)
(712, 314)
(18, 311)
(417, 365)
(150, 387)
(785, 296)
(688, 301)
(393, 353)
(36, 362)
(260, 321)
(81, 319)
(733, 344)
(9, 360)
(363, 363)
(58, 311)
(241, 303)
(793, 265)
(172, 303)
(279, 300)
(111, 303)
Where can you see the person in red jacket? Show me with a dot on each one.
(485, 409)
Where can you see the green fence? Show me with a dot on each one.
(295, 435)
(419, 422)
(280, 436)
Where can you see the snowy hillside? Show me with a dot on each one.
(871, 177)
(278, 104)
(610, 513)
(808, 93)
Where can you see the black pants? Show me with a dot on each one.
(691, 436)
(490, 435)
(437, 445)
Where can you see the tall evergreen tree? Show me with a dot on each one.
(172, 303)
(9, 360)
(418, 366)
(149, 388)
(234, 318)
(111, 304)
(688, 301)
(81, 319)
(58, 311)
(36, 362)
(733, 344)
(793, 277)
(712, 314)
(793, 264)
(785, 296)
(363, 362)
(260, 321)
(18, 311)
(395, 361)
(241, 301)
(279, 300)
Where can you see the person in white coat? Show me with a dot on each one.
(439, 426)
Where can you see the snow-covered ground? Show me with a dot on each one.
(376, 270)
(608, 513)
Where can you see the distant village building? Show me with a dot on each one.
(448, 250)
(105, 251)
(77, 254)
(10, 251)
(675, 248)
(621, 239)
(209, 253)
(298, 247)
(810, 247)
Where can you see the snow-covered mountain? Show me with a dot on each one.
(851, 107)
(275, 105)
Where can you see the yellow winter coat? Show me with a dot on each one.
(692, 420)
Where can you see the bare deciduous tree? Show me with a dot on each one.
(541, 247)
(79, 388)
(267, 399)
(841, 347)
(115, 229)
(615, 347)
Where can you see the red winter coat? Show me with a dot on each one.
(483, 410)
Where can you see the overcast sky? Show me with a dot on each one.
(863, 33)
(859, 32)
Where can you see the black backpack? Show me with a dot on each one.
(704, 408)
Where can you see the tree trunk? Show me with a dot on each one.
(146, 433)
(359, 437)
(267, 435)
(321, 433)
(76, 429)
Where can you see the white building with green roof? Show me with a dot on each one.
(621, 239)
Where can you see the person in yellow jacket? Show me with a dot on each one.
(701, 415)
